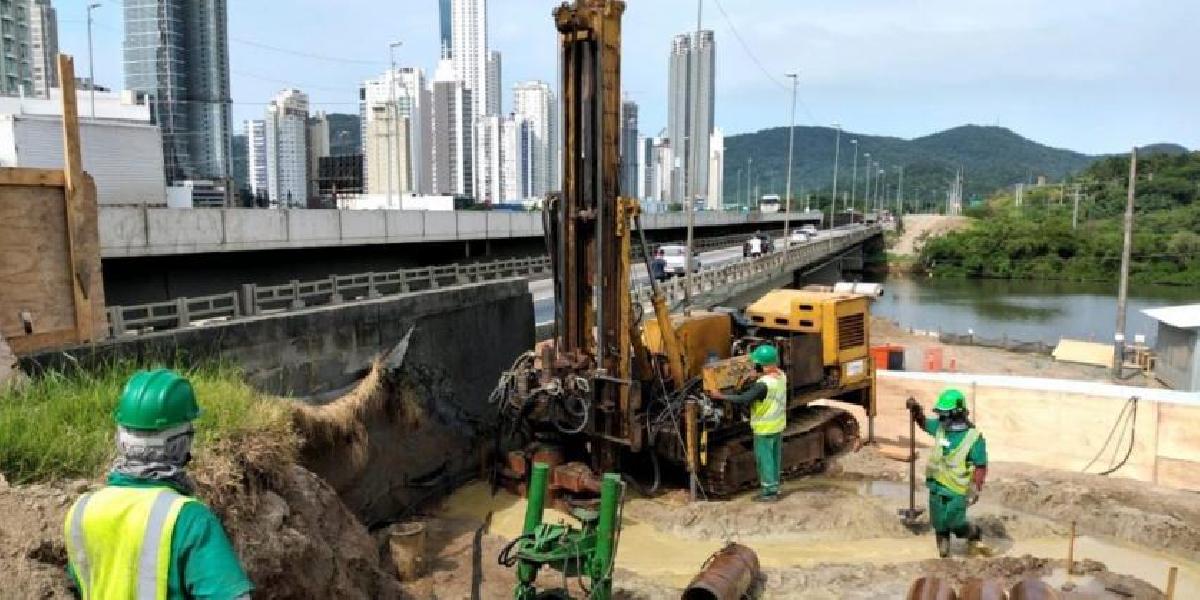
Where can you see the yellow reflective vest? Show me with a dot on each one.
(769, 415)
(949, 467)
(119, 541)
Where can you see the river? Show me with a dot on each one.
(1024, 310)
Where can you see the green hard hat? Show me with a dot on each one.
(765, 355)
(949, 400)
(156, 400)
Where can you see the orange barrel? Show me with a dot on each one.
(727, 575)
(933, 359)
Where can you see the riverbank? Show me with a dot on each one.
(990, 361)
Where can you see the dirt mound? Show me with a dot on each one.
(918, 228)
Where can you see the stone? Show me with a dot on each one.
(272, 510)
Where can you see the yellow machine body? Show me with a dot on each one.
(703, 337)
(839, 320)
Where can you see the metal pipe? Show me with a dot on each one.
(727, 575)
(601, 210)
(536, 494)
(691, 417)
(606, 527)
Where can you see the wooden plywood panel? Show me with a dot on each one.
(1086, 353)
(34, 261)
(1179, 474)
(1179, 433)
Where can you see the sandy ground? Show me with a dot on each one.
(919, 227)
(991, 361)
(839, 536)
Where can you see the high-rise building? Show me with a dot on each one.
(414, 163)
(453, 133)
(256, 153)
(177, 53)
(388, 145)
(691, 101)
(287, 149)
(510, 154)
(643, 167)
(661, 179)
(629, 148)
(489, 159)
(716, 169)
(318, 148)
(445, 29)
(43, 47)
(468, 31)
(16, 75)
(534, 104)
(493, 83)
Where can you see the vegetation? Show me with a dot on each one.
(1037, 240)
(991, 158)
(60, 425)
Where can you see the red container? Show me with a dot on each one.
(933, 359)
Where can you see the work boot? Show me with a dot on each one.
(765, 497)
(975, 545)
(943, 545)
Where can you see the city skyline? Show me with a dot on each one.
(882, 68)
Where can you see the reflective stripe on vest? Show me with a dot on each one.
(768, 416)
(950, 468)
(119, 542)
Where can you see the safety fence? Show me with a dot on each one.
(254, 299)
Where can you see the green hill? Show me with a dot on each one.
(991, 158)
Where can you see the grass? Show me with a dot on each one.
(59, 425)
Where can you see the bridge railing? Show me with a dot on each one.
(253, 299)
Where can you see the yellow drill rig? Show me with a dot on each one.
(610, 392)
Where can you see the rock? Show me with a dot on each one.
(3, 482)
(272, 511)
(80, 486)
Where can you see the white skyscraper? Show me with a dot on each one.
(691, 99)
(716, 169)
(287, 149)
(493, 83)
(468, 32)
(510, 154)
(414, 110)
(43, 47)
(256, 154)
(453, 134)
(489, 159)
(534, 105)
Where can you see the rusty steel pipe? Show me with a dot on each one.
(727, 575)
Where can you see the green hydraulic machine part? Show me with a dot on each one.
(588, 552)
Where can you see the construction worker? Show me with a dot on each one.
(767, 397)
(143, 536)
(956, 470)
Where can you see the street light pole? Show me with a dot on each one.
(867, 183)
(91, 64)
(854, 175)
(795, 77)
(394, 112)
(837, 147)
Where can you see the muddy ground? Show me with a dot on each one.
(838, 536)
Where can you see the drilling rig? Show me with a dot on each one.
(619, 385)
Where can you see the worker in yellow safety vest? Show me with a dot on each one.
(143, 536)
(956, 470)
(767, 397)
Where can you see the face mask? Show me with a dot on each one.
(758, 369)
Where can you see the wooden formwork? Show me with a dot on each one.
(51, 289)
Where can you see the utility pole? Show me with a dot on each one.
(837, 147)
(900, 200)
(1126, 250)
(854, 175)
(1075, 211)
(91, 64)
(795, 77)
(690, 186)
(749, 162)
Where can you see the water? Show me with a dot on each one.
(1024, 310)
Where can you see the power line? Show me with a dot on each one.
(311, 55)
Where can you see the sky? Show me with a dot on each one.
(1097, 76)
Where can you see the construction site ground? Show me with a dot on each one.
(838, 535)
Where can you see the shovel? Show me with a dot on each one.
(910, 515)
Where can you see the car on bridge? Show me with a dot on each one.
(674, 257)
(765, 245)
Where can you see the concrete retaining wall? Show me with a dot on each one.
(1060, 424)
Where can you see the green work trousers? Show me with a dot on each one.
(768, 454)
(948, 513)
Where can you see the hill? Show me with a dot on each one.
(991, 158)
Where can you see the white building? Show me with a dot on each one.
(121, 148)
(493, 83)
(468, 32)
(489, 159)
(716, 169)
(453, 134)
(691, 100)
(389, 139)
(43, 47)
(407, 86)
(256, 157)
(510, 153)
(534, 104)
(287, 149)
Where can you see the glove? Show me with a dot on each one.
(972, 495)
(913, 407)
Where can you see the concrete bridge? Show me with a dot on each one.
(157, 254)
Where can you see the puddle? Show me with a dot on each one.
(670, 559)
